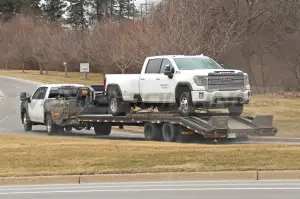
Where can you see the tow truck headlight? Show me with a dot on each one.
(246, 79)
(200, 81)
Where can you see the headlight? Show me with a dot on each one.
(200, 81)
(246, 79)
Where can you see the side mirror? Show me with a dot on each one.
(169, 71)
(25, 96)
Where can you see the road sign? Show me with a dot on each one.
(84, 67)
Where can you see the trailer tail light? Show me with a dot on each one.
(104, 82)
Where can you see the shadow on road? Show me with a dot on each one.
(136, 137)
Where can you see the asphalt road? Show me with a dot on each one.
(10, 121)
(159, 190)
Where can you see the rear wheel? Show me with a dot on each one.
(186, 107)
(116, 103)
(102, 129)
(236, 109)
(50, 126)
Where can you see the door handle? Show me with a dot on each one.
(142, 79)
(157, 78)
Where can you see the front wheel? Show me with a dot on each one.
(26, 122)
(236, 109)
(186, 107)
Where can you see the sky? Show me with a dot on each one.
(138, 2)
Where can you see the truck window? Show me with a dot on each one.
(153, 66)
(165, 62)
(63, 92)
(40, 93)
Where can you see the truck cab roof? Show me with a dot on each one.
(61, 85)
(175, 56)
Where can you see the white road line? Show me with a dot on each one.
(221, 183)
(139, 185)
(139, 190)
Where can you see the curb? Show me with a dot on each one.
(68, 179)
(274, 139)
(150, 177)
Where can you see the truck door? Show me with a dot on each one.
(36, 106)
(166, 85)
(149, 81)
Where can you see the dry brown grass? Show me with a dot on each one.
(284, 107)
(26, 155)
(55, 77)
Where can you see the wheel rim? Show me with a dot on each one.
(48, 125)
(25, 120)
(114, 104)
(184, 104)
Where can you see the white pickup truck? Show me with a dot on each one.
(189, 82)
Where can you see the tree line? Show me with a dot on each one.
(260, 37)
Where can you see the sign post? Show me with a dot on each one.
(85, 68)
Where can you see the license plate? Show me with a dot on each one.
(231, 135)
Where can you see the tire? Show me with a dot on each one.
(115, 103)
(170, 132)
(236, 110)
(68, 128)
(102, 129)
(50, 126)
(186, 107)
(152, 132)
(26, 122)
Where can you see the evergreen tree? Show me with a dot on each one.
(78, 13)
(54, 9)
(10, 8)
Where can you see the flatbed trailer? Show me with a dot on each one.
(90, 109)
(171, 127)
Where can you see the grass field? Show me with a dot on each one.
(286, 111)
(27, 156)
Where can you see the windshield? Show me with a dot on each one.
(194, 63)
(63, 92)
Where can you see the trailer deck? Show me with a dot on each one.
(216, 126)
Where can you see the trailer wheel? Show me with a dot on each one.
(153, 132)
(102, 129)
(51, 127)
(236, 109)
(170, 132)
(68, 128)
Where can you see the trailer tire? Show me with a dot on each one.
(68, 128)
(102, 129)
(170, 132)
(50, 126)
(152, 132)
